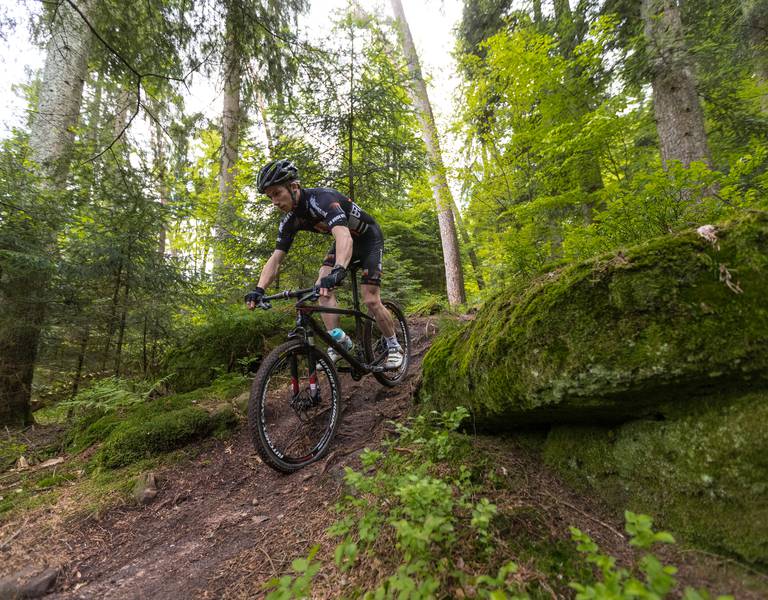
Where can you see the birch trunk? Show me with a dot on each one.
(23, 290)
(230, 141)
(678, 113)
(454, 277)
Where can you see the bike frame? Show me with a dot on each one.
(308, 327)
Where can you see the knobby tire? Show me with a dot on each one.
(276, 420)
(375, 345)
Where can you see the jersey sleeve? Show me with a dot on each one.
(330, 209)
(285, 233)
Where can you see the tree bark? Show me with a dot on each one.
(84, 336)
(123, 319)
(678, 112)
(230, 138)
(23, 292)
(161, 172)
(454, 276)
(265, 120)
(538, 18)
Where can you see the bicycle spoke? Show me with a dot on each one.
(298, 407)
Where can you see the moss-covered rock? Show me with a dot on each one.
(154, 427)
(702, 472)
(614, 337)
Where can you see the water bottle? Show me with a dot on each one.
(342, 338)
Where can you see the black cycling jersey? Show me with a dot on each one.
(320, 210)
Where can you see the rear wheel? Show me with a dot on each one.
(376, 345)
(294, 408)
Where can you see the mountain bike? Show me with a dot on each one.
(295, 403)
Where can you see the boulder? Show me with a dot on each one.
(701, 471)
(617, 337)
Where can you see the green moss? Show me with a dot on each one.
(91, 430)
(701, 472)
(223, 344)
(137, 438)
(223, 420)
(613, 337)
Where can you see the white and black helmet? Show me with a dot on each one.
(276, 172)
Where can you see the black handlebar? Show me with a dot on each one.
(305, 294)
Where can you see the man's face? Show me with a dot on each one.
(281, 197)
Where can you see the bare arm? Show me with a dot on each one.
(343, 245)
(269, 272)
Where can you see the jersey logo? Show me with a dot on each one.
(313, 203)
(355, 210)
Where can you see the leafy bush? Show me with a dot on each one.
(618, 583)
(415, 511)
(220, 343)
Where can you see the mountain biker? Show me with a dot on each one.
(357, 237)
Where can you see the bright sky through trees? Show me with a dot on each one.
(432, 23)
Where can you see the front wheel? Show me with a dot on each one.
(375, 345)
(294, 408)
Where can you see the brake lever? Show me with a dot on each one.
(312, 296)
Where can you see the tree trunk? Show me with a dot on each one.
(679, 117)
(267, 131)
(123, 319)
(23, 292)
(230, 139)
(161, 172)
(351, 119)
(454, 277)
(537, 14)
(111, 324)
(84, 336)
(756, 19)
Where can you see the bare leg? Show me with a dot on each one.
(372, 299)
(331, 321)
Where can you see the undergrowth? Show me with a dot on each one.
(415, 524)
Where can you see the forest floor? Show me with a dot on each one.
(223, 523)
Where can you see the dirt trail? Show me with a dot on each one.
(223, 522)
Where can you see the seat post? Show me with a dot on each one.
(355, 296)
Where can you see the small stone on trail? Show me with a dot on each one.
(23, 586)
(145, 489)
(22, 463)
(40, 585)
(260, 519)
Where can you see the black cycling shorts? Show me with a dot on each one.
(367, 252)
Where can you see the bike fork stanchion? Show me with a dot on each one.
(294, 376)
(314, 389)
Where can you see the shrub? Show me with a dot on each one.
(230, 340)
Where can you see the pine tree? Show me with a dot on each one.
(24, 287)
